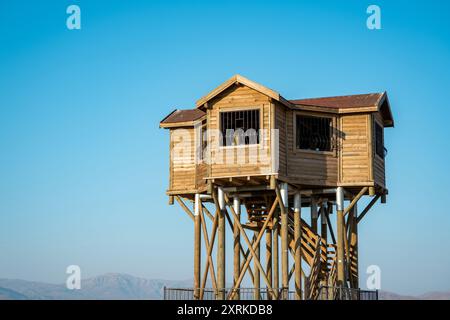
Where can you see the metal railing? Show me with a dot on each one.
(325, 293)
(239, 294)
(338, 293)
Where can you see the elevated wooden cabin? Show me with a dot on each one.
(317, 143)
(244, 145)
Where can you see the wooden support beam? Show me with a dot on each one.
(210, 216)
(340, 236)
(314, 214)
(297, 245)
(208, 256)
(257, 276)
(353, 261)
(330, 227)
(244, 253)
(236, 244)
(324, 239)
(355, 200)
(269, 255)
(185, 208)
(368, 207)
(211, 246)
(252, 251)
(276, 248)
(221, 246)
(245, 256)
(197, 246)
(282, 196)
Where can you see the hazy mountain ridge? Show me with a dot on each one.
(109, 286)
(119, 286)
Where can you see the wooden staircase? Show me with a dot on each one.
(319, 255)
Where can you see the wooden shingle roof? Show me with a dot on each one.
(350, 101)
(370, 102)
(349, 104)
(180, 118)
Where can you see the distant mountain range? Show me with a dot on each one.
(120, 286)
(115, 286)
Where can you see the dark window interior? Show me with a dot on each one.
(379, 145)
(313, 133)
(240, 127)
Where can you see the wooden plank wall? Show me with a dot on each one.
(306, 167)
(378, 162)
(182, 159)
(280, 116)
(234, 98)
(355, 156)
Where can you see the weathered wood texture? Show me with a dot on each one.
(351, 162)
(378, 162)
(355, 150)
(303, 166)
(182, 160)
(239, 160)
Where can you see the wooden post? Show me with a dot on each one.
(256, 276)
(284, 239)
(297, 250)
(237, 242)
(324, 237)
(314, 214)
(269, 258)
(197, 246)
(354, 264)
(276, 253)
(221, 246)
(340, 235)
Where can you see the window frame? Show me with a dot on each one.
(375, 124)
(243, 108)
(333, 119)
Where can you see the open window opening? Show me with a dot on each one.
(240, 127)
(379, 143)
(313, 133)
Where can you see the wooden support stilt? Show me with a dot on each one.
(197, 246)
(210, 263)
(269, 256)
(257, 276)
(324, 239)
(330, 227)
(297, 241)
(354, 263)
(251, 247)
(209, 250)
(221, 246)
(275, 249)
(340, 236)
(282, 195)
(314, 215)
(245, 254)
(237, 243)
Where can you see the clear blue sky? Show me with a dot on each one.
(84, 167)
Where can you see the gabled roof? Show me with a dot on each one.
(238, 79)
(182, 118)
(371, 102)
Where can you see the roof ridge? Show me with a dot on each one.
(340, 96)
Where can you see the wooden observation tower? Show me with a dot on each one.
(281, 179)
